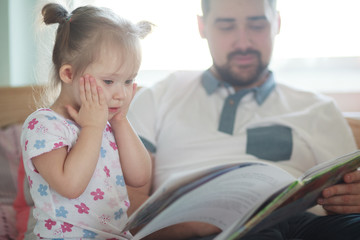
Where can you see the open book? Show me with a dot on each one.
(238, 198)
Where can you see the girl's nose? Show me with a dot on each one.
(120, 92)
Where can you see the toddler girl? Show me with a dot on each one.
(80, 153)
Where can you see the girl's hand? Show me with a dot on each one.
(121, 115)
(93, 111)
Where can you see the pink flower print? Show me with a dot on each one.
(104, 219)
(108, 128)
(57, 126)
(66, 227)
(32, 124)
(58, 145)
(113, 203)
(107, 171)
(82, 208)
(47, 207)
(26, 143)
(127, 204)
(57, 232)
(42, 129)
(98, 194)
(97, 173)
(115, 164)
(108, 184)
(30, 181)
(49, 224)
(113, 145)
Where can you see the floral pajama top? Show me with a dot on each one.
(100, 212)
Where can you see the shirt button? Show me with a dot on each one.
(231, 102)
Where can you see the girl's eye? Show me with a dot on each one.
(128, 82)
(108, 82)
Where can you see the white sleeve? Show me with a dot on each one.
(332, 135)
(142, 116)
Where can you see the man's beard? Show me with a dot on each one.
(236, 80)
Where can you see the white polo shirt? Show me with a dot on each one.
(191, 120)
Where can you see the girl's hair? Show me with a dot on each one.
(82, 34)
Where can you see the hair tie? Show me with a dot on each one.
(68, 19)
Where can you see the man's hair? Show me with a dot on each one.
(205, 6)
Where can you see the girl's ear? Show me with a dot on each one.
(66, 73)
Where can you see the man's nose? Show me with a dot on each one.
(242, 39)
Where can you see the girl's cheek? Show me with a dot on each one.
(127, 91)
(130, 93)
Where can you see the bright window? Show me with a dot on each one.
(318, 47)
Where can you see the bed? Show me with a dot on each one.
(16, 103)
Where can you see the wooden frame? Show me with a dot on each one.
(347, 101)
(16, 103)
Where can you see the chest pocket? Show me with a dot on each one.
(270, 143)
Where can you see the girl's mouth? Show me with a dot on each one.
(113, 110)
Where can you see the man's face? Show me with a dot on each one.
(240, 34)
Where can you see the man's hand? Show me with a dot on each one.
(343, 198)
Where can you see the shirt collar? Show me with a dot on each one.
(211, 84)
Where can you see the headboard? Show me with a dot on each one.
(16, 103)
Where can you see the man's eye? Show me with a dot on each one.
(108, 82)
(257, 27)
(226, 27)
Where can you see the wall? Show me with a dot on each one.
(17, 44)
(4, 43)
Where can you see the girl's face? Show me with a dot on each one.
(115, 75)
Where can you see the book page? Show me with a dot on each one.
(328, 166)
(224, 199)
(299, 197)
(266, 217)
(177, 185)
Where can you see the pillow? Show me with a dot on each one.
(9, 160)
(7, 222)
(16, 219)
(23, 205)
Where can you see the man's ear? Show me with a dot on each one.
(66, 73)
(201, 26)
(278, 23)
